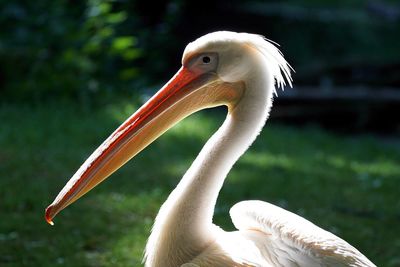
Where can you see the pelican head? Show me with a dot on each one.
(215, 70)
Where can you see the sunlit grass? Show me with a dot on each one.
(346, 184)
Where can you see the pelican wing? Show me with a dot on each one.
(290, 240)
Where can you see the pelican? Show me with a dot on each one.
(241, 71)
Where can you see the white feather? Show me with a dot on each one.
(183, 233)
(294, 238)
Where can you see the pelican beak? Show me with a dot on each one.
(186, 93)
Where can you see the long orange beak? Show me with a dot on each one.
(184, 94)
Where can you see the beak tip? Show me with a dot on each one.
(48, 215)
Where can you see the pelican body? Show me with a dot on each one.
(241, 71)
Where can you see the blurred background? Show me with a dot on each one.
(72, 71)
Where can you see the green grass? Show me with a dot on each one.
(346, 184)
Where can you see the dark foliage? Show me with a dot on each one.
(80, 49)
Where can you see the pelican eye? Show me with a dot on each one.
(206, 59)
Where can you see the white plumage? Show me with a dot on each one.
(268, 235)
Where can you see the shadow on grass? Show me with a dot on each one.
(346, 185)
